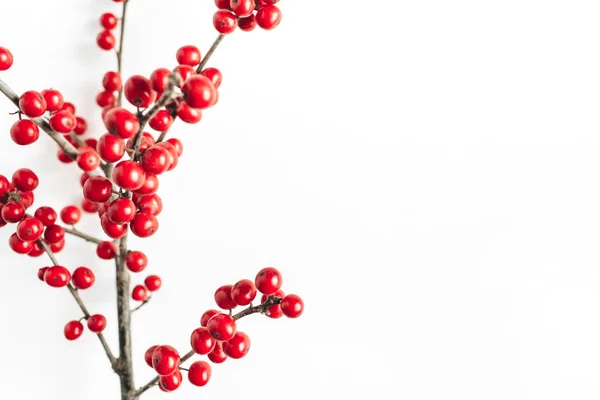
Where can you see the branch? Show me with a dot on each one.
(261, 308)
(212, 49)
(86, 313)
(82, 235)
(141, 305)
(120, 51)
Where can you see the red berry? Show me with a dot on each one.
(292, 306)
(106, 250)
(30, 229)
(138, 91)
(185, 71)
(32, 104)
(165, 360)
(129, 175)
(80, 126)
(63, 157)
(237, 347)
(188, 55)
(148, 355)
(88, 206)
(222, 327)
(174, 158)
(113, 230)
(12, 212)
(111, 148)
(136, 261)
(41, 273)
(159, 80)
(207, 316)
(57, 247)
(274, 311)
(150, 186)
(19, 246)
(202, 342)
(68, 107)
(25, 180)
(222, 4)
(242, 8)
(268, 280)
(54, 234)
(161, 121)
(73, 330)
(112, 81)
(54, 99)
(268, 17)
(97, 189)
(88, 159)
(106, 99)
(223, 297)
(243, 292)
(151, 204)
(70, 215)
(139, 293)
(47, 215)
(153, 282)
(26, 199)
(6, 59)
(144, 225)
(121, 123)
(106, 40)
(171, 382)
(5, 186)
(145, 144)
(199, 92)
(248, 23)
(199, 373)
(214, 75)
(96, 323)
(83, 278)
(176, 143)
(57, 276)
(121, 211)
(217, 356)
(188, 114)
(24, 132)
(224, 22)
(108, 21)
(155, 160)
(63, 121)
(36, 251)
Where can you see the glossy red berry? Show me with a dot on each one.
(96, 323)
(108, 21)
(155, 160)
(292, 306)
(136, 261)
(144, 225)
(214, 75)
(67, 106)
(222, 4)
(41, 273)
(26, 199)
(268, 17)
(218, 355)
(112, 81)
(242, 8)
(223, 297)
(202, 342)
(188, 55)
(174, 158)
(207, 316)
(268, 280)
(24, 132)
(150, 186)
(199, 373)
(111, 148)
(238, 346)
(88, 159)
(188, 114)
(57, 247)
(171, 382)
(274, 311)
(106, 99)
(176, 143)
(54, 234)
(32, 104)
(70, 215)
(151, 204)
(129, 175)
(36, 251)
(121, 210)
(12, 212)
(185, 72)
(6, 59)
(138, 91)
(73, 330)
(243, 292)
(199, 92)
(165, 360)
(19, 246)
(139, 293)
(57, 276)
(224, 22)
(106, 250)
(30, 229)
(63, 157)
(153, 282)
(88, 206)
(97, 189)
(106, 40)
(83, 278)
(159, 80)
(63, 121)
(80, 127)
(148, 355)
(54, 99)
(121, 123)
(115, 231)
(25, 180)
(147, 141)
(161, 121)
(47, 215)
(222, 327)
(247, 24)
(5, 186)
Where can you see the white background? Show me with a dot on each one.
(424, 173)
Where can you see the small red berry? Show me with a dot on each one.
(88, 206)
(63, 121)
(19, 246)
(106, 40)
(41, 273)
(115, 231)
(88, 159)
(121, 211)
(138, 91)
(24, 132)
(185, 71)
(199, 92)
(151, 204)
(121, 123)
(207, 316)
(70, 215)
(32, 104)
(106, 99)
(57, 276)
(223, 297)
(292, 306)
(83, 178)
(199, 373)
(97, 189)
(47, 215)
(80, 126)
(36, 251)
(108, 21)
(147, 141)
(26, 199)
(202, 342)
(214, 75)
(148, 355)
(63, 157)
(136, 261)
(54, 99)
(274, 311)
(6, 59)
(106, 250)
(112, 81)
(217, 356)
(188, 55)
(67, 106)
(176, 143)
(222, 327)
(237, 347)
(161, 121)
(171, 382)
(153, 282)
(57, 247)
(83, 278)
(5, 186)
(129, 175)
(111, 148)
(12, 212)
(150, 186)
(139, 293)
(268, 17)
(188, 114)
(225, 22)
(25, 180)
(54, 234)
(30, 229)
(144, 225)
(165, 360)
(73, 330)
(155, 160)
(174, 158)
(159, 80)
(247, 24)
(243, 292)
(222, 4)
(96, 323)
(268, 280)
(242, 8)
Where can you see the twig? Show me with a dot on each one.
(120, 51)
(212, 49)
(82, 235)
(141, 305)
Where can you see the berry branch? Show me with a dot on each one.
(82, 235)
(120, 51)
(210, 52)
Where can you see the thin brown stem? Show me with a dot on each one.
(140, 306)
(120, 51)
(125, 362)
(210, 52)
(82, 235)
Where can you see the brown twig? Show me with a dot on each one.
(141, 305)
(210, 52)
(120, 51)
(82, 235)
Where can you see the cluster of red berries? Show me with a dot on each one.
(218, 337)
(105, 39)
(246, 14)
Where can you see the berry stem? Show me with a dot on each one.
(141, 305)
(120, 51)
(82, 235)
(212, 49)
